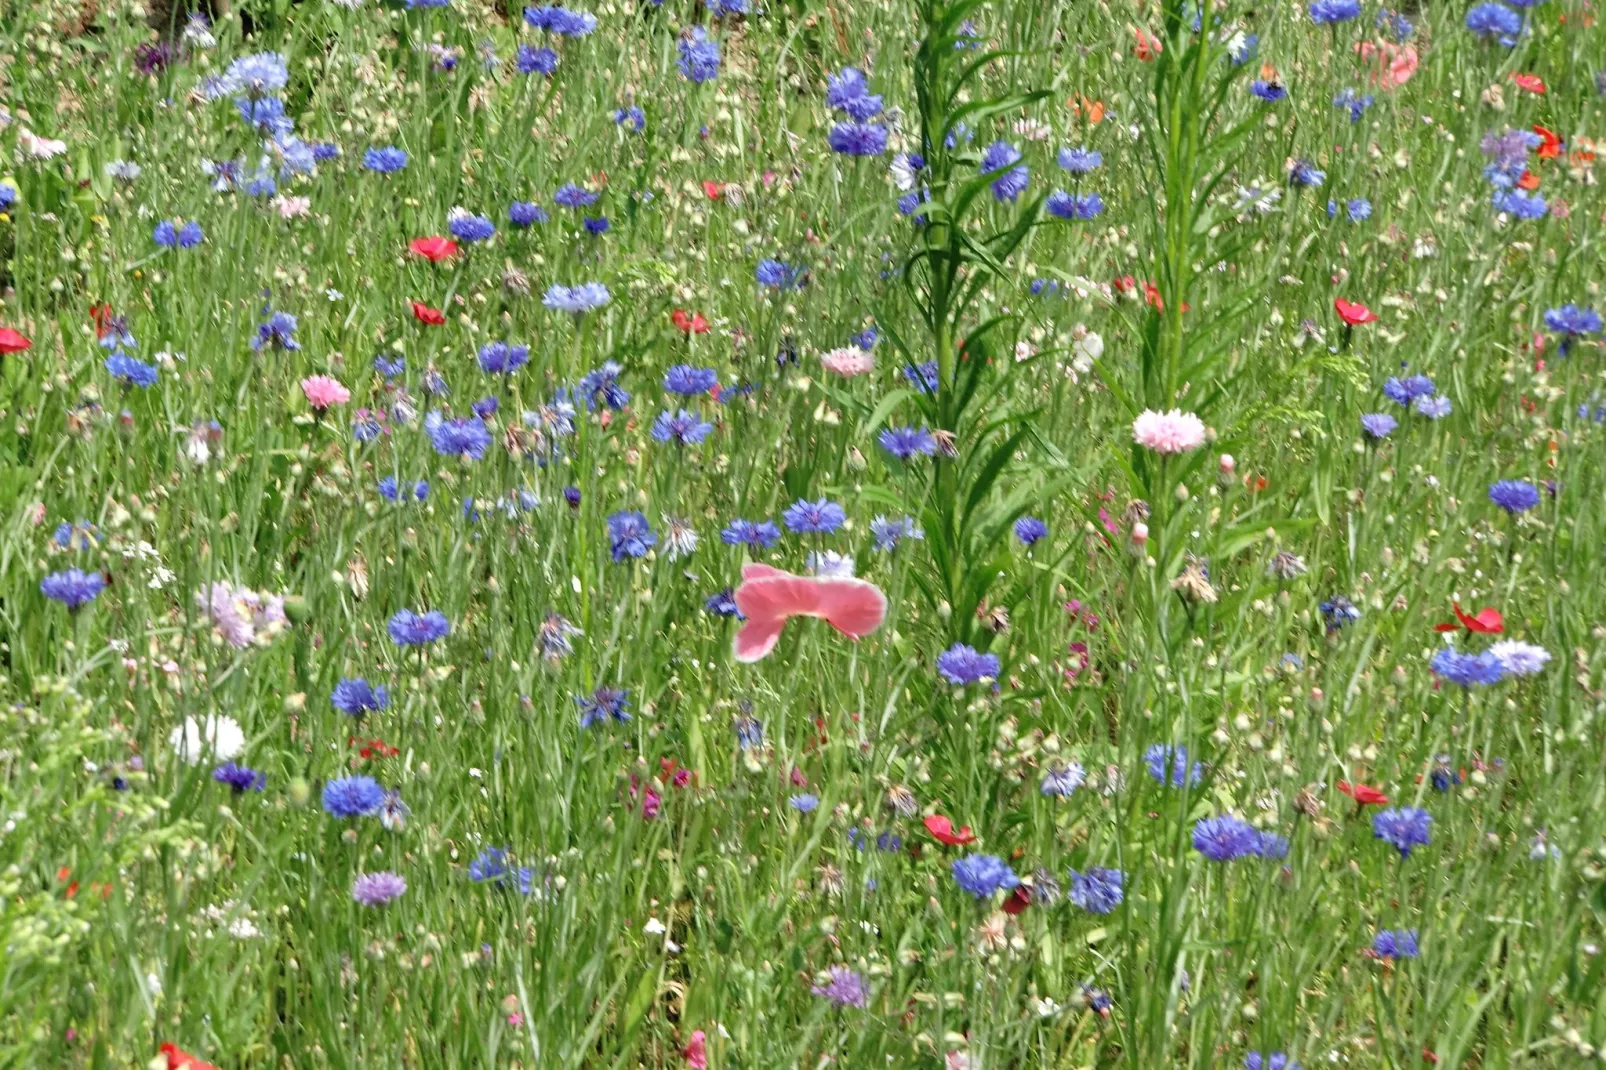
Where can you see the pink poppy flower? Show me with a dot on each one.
(848, 361)
(323, 391)
(1393, 64)
(696, 1052)
(768, 597)
(1168, 432)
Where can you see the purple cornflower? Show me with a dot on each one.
(961, 665)
(357, 698)
(1404, 391)
(699, 56)
(1379, 425)
(1223, 839)
(630, 535)
(823, 517)
(533, 59)
(1467, 670)
(407, 628)
(843, 987)
(983, 875)
(858, 139)
(1514, 495)
(1331, 12)
(1399, 944)
(73, 588)
(1029, 529)
(906, 442)
(1169, 765)
(1495, 22)
(239, 778)
(603, 703)
(689, 381)
(1098, 891)
(1002, 156)
(682, 428)
(526, 213)
(757, 534)
(1074, 206)
(353, 796)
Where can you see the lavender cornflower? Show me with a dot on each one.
(1062, 778)
(130, 371)
(907, 442)
(603, 703)
(1402, 828)
(1572, 323)
(1074, 206)
(688, 381)
(526, 213)
(858, 139)
(1275, 1060)
(1080, 161)
(682, 428)
(533, 59)
(1519, 658)
(468, 437)
(560, 21)
(889, 533)
(756, 534)
(1169, 765)
(722, 603)
(843, 987)
(1270, 92)
(555, 634)
(499, 358)
(778, 274)
(1338, 611)
(1434, 408)
(1521, 205)
(1357, 103)
(1304, 174)
(632, 117)
(823, 517)
(570, 195)
(1378, 425)
(847, 92)
(468, 227)
(602, 384)
(586, 297)
(278, 331)
(377, 889)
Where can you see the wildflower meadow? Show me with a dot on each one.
(952, 534)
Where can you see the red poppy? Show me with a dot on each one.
(12, 341)
(1147, 46)
(1018, 900)
(1353, 313)
(433, 249)
(100, 315)
(1364, 794)
(1151, 294)
(689, 324)
(1531, 82)
(1528, 181)
(942, 830)
(179, 1059)
(1124, 284)
(1487, 622)
(374, 748)
(713, 189)
(1550, 143)
(424, 314)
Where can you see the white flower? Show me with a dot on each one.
(830, 565)
(40, 148)
(1519, 658)
(221, 738)
(903, 175)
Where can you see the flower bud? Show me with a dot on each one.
(1140, 533)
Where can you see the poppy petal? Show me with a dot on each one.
(757, 638)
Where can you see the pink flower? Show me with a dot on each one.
(696, 1052)
(769, 597)
(1395, 64)
(1168, 432)
(323, 391)
(848, 361)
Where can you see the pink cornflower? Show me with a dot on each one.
(323, 391)
(848, 361)
(1168, 432)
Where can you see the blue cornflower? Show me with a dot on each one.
(73, 588)
(1514, 495)
(699, 56)
(889, 533)
(570, 195)
(1062, 778)
(278, 331)
(467, 437)
(1434, 408)
(1002, 156)
(265, 115)
(758, 534)
(1357, 103)
(165, 234)
(778, 274)
(1243, 49)
(525, 213)
(749, 729)
(1064, 205)
(1080, 161)
(595, 225)
(357, 698)
(353, 796)
(823, 517)
(910, 203)
(630, 535)
(492, 866)
(190, 235)
(1517, 203)
(804, 803)
(1495, 22)
(632, 117)
(983, 875)
(239, 778)
(689, 381)
(1391, 944)
(499, 358)
(1378, 425)
(386, 161)
(1404, 391)
(1304, 174)
(586, 297)
(1329, 12)
(603, 703)
(1359, 208)
(723, 604)
(923, 376)
(263, 72)
(1467, 670)
(961, 665)
(1398, 26)
(1271, 1061)
(1338, 611)
(532, 59)
(560, 20)
(1029, 529)
(8, 196)
(324, 151)
(602, 384)
(726, 8)
(468, 227)
(407, 628)
(905, 442)
(130, 371)
(261, 185)
(682, 428)
(1225, 838)
(1572, 322)
(866, 339)
(1098, 891)
(858, 139)
(1169, 765)
(847, 91)
(1270, 92)
(1402, 828)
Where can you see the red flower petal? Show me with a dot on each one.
(179, 1059)
(1487, 622)
(12, 341)
(1364, 794)
(424, 314)
(1353, 313)
(433, 249)
(942, 830)
(1018, 900)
